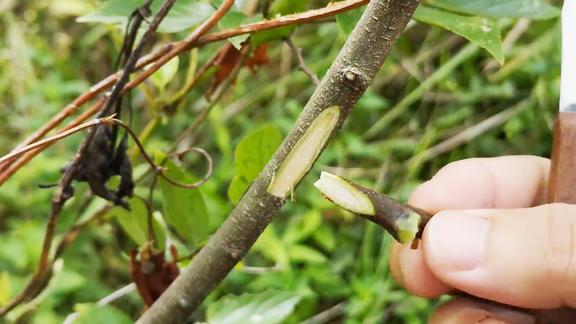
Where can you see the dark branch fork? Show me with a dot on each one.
(158, 58)
(102, 158)
(94, 140)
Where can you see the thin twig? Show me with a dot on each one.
(25, 158)
(212, 101)
(63, 193)
(440, 74)
(167, 52)
(298, 18)
(301, 63)
(115, 295)
(43, 271)
(261, 270)
(73, 232)
(159, 169)
(470, 133)
(42, 274)
(328, 315)
(513, 35)
(341, 87)
(423, 55)
(49, 140)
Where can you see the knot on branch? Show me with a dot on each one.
(354, 79)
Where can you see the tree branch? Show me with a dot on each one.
(161, 57)
(43, 271)
(344, 83)
(301, 63)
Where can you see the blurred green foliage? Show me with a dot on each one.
(313, 257)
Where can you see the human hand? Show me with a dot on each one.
(487, 239)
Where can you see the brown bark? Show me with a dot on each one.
(355, 67)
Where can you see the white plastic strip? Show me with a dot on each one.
(568, 75)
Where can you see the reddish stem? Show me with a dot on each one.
(161, 57)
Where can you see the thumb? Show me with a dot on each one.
(520, 257)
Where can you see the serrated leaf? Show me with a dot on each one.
(535, 9)
(268, 307)
(95, 314)
(480, 30)
(164, 74)
(183, 208)
(135, 223)
(250, 157)
(183, 15)
(305, 254)
(348, 19)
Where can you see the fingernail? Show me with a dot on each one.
(456, 240)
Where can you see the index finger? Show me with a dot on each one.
(485, 183)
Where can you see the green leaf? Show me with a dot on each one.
(250, 157)
(94, 314)
(348, 19)
(267, 36)
(164, 74)
(192, 65)
(303, 227)
(279, 8)
(286, 7)
(69, 7)
(221, 132)
(270, 245)
(268, 307)
(324, 237)
(535, 9)
(480, 30)
(67, 282)
(190, 76)
(237, 188)
(233, 19)
(305, 254)
(270, 35)
(254, 151)
(5, 288)
(183, 208)
(135, 223)
(183, 15)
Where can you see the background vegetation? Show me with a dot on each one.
(440, 97)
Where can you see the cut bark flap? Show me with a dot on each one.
(304, 153)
